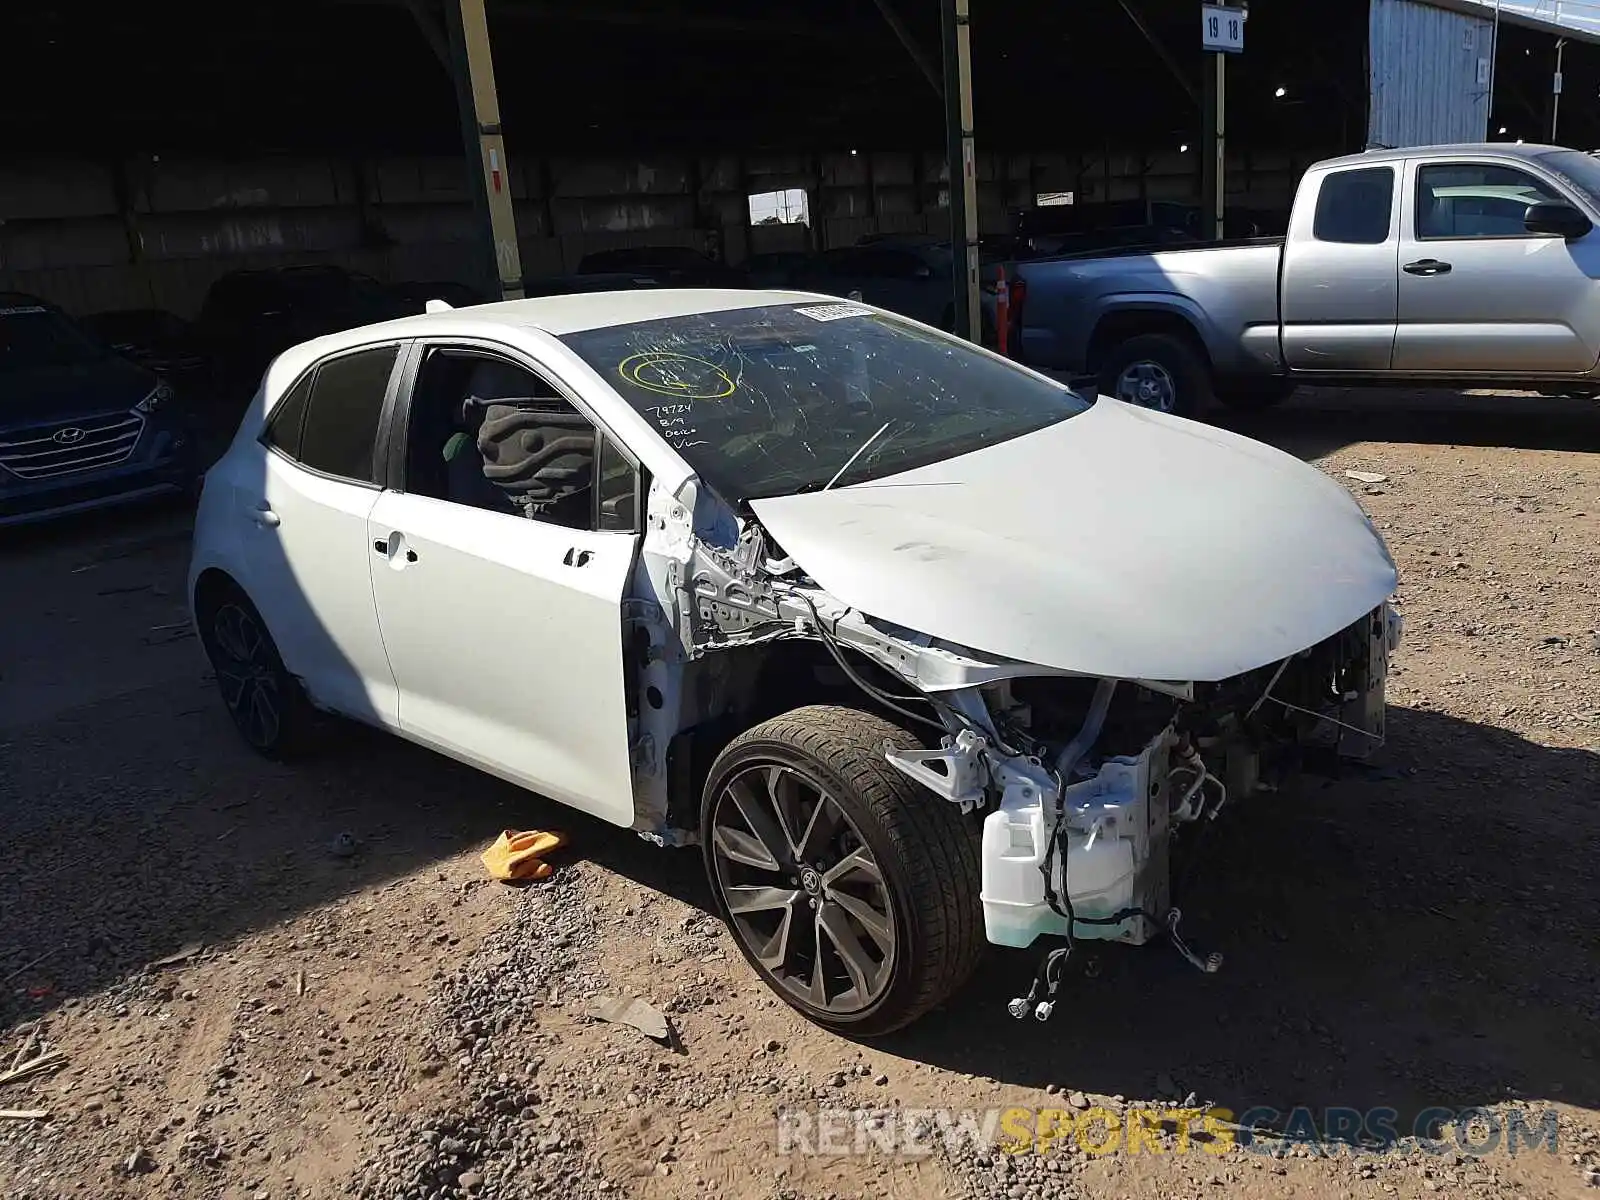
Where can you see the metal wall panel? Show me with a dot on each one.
(1428, 69)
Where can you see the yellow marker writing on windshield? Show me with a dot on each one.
(681, 375)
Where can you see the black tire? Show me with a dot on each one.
(1175, 357)
(1255, 396)
(268, 706)
(924, 849)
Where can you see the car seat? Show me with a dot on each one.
(535, 447)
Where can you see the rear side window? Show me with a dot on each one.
(342, 412)
(1354, 207)
(283, 430)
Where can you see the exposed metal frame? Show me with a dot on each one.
(891, 17)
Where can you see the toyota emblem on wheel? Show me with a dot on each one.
(70, 436)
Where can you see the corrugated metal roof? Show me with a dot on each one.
(1428, 69)
(1578, 19)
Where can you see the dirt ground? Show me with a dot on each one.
(380, 1020)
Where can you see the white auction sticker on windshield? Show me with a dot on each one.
(834, 312)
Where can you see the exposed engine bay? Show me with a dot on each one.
(1080, 784)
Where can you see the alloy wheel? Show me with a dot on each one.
(247, 673)
(802, 889)
(1149, 385)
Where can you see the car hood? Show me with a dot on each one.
(1118, 543)
(111, 384)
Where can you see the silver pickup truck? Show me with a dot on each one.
(1462, 266)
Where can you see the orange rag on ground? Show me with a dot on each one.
(516, 855)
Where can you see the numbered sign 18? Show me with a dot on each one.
(1222, 29)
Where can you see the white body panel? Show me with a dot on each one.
(507, 653)
(308, 575)
(1119, 543)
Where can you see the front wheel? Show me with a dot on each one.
(851, 891)
(1158, 371)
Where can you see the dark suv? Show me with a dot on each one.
(81, 427)
(250, 317)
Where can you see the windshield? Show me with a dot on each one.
(32, 337)
(1579, 171)
(781, 399)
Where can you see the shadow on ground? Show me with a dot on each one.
(1407, 942)
(1419, 937)
(1319, 421)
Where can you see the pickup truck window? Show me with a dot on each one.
(1579, 171)
(1354, 207)
(1475, 200)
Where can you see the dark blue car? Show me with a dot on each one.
(80, 426)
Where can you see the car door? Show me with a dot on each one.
(914, 284)
(306, 532)
(1340, 293)
(1479, 294)
(502, 609)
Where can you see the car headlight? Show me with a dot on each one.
(161, 394)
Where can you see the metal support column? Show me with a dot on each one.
(1214, 145)
(963, 166)
(473, 69)
(1494, 58)
(1556, 84)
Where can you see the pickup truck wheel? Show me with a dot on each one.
(1160, 372)
(851, 891)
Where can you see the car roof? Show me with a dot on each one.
(562, 315)
(1504, 150)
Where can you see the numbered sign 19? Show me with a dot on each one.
(1222, 29)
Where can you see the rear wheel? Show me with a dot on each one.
(850, 890)
(1158, 371)
(268, 706)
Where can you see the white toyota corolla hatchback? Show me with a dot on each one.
(923, 648)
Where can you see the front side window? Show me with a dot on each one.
(340, 428)
(787, 398)
(491, 434)
(617, 482)
(1354, 208)
(1476, 200)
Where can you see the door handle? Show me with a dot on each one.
(1427, 266)
(392, 546)
(265, 517)
(576, 557)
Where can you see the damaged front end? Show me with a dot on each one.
(1086, 783)
(1082, 785)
